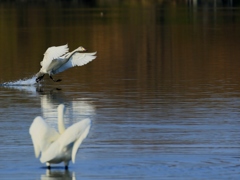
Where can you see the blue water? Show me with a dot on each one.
(129, 139)
(163, 93)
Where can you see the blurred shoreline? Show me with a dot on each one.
(126, 3)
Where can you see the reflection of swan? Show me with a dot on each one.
(57, 59)
(50, 98)
(58, 175)
(77, 108)
(58, 147)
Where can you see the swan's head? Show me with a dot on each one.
(82, 49)
(61, 108)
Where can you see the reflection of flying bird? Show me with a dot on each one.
(57, 59)
(56, 147)
(76, 109)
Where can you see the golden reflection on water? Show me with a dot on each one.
(155, 47)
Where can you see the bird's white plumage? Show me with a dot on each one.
(84, 133)
(81, 59)
(78, 59)
(55, 147)
(53, 53)
(61, 126)
(42, 135)
(74, 134)
(58, 59)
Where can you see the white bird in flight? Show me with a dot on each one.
(56, 147)
(58, 58)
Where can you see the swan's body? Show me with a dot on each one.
(58, 58)
(56, 147)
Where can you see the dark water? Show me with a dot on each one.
(163, 93)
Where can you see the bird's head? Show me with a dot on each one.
(82, 49)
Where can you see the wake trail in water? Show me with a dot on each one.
(22, 82)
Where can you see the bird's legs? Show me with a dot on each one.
(39, 78)
(58, 80)
(66, 165)
(48, 165)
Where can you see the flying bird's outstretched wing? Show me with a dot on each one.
(78, 59)
(42, 135)
(53, 53)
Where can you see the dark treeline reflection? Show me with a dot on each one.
(130, 3)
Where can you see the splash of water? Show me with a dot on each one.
(22, 82)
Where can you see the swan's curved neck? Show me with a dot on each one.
(61, 126)
(69, 55)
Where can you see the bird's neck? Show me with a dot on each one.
(61, 126)
(69, 55)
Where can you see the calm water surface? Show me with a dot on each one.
(163, 93)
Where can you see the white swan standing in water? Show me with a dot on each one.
(56, 147)
(58, 58)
